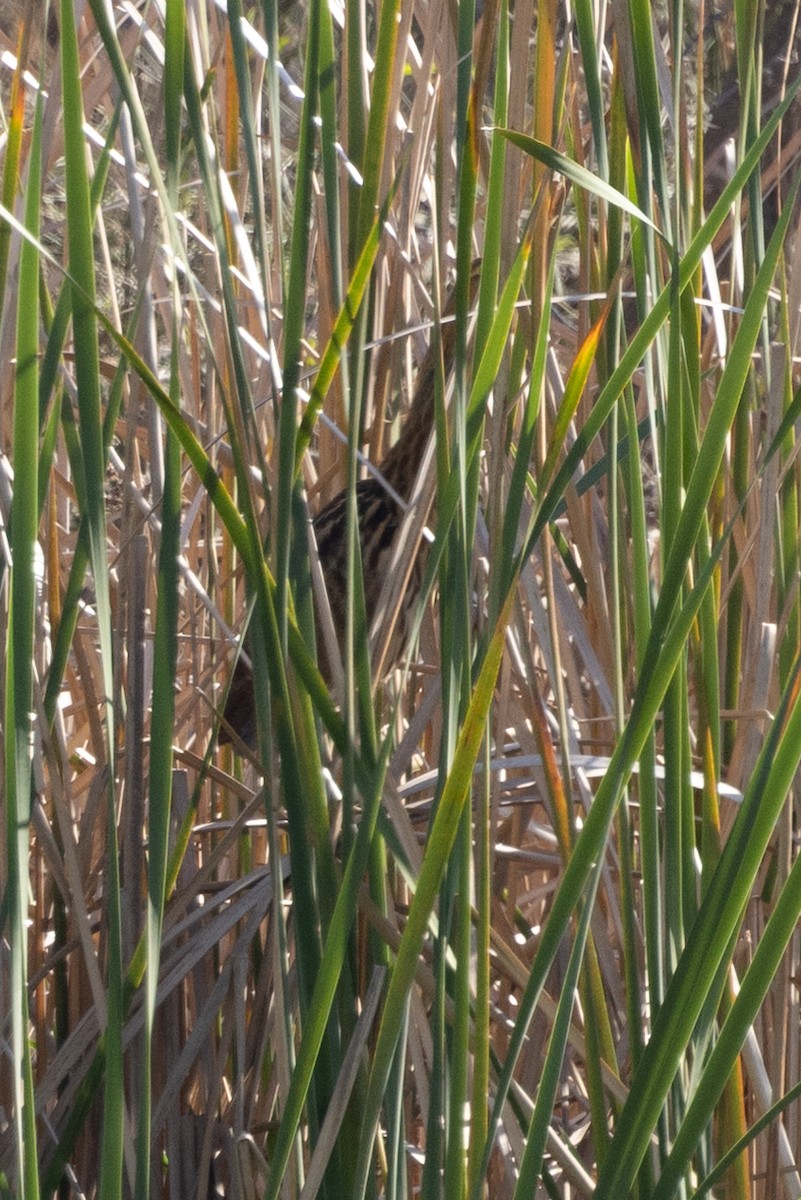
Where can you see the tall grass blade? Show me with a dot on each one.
(87, 371)
(19, 731)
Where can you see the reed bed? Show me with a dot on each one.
(517, 918)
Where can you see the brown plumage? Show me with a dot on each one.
(380, 518)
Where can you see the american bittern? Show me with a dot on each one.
(379, 518)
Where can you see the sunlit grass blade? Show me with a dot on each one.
(19, 672)
(577, 174)
(87, 370)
